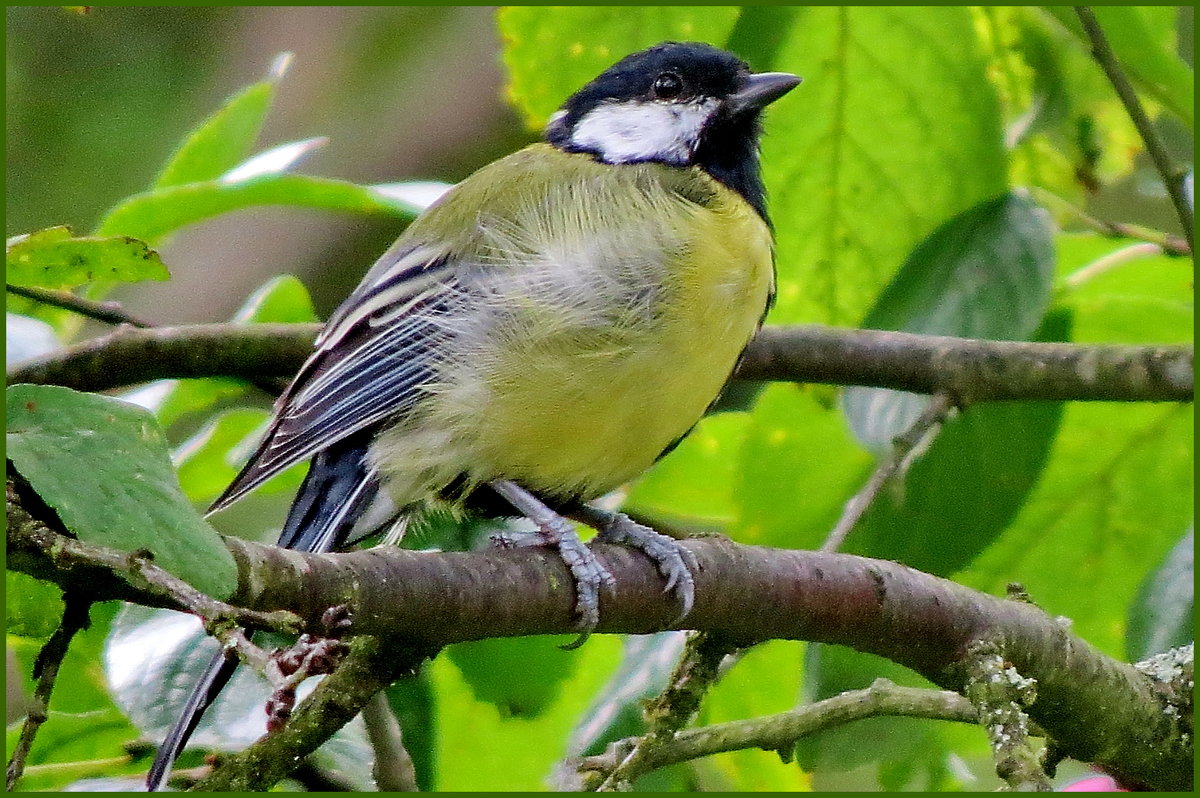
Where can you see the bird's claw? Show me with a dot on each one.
(675, 562)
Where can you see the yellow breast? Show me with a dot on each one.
(592, 338)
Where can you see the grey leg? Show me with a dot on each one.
(557, 531)
(675, 562)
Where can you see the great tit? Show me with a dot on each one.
(543, 333)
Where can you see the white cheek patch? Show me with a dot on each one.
(643, 131)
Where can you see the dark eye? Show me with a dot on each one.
(667, 85)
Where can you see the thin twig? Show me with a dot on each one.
(1110, 261)
(780, 732)
(696, 672)
(1171, 245)
(108, 312)
(394, 770)
(904, 447)
(45, 670)
(1103, 53)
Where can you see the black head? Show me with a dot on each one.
(681, 104)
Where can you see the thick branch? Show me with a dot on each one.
(968, 370)
(1098, 709)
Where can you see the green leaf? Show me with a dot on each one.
(830, 670)
(53, 258)
(551, 52)
(986, 273)
(33, 608)
(204, 462)
(413, 703)
(1144, 42)
(102, 465)
(155, 214)
(760, 32)
(1148, 299)
(894, 130)
(1162, 615)
(961, 494)
(520, 675)
(226, 137)
(511, 753)
(765, 680)
(696, 481)
(76, 746)
(1118, 482)
(797, 468)
(282, 299)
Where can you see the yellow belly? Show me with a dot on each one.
(598, 341)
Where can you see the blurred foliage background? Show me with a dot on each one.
(898, 175)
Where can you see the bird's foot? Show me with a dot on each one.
(554, 530)
(675, 562)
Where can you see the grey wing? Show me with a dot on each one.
(374, 353)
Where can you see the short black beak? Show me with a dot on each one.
(760, 90)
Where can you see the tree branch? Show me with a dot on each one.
(108, 312)
(780, 732)
(1098, 709)
(968, 370)
(45, 671)
(1107, 59)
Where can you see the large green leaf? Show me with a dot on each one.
(894, 130)
(1162, 616)
(226, 137)
(986, 273)
(765, 680)
(552, 52)
(695, 482)
(520, 675)
(157, 213)
(102, 464)
(53, 258)
(505, 752)
(797, 468)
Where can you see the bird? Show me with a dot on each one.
(542, 334)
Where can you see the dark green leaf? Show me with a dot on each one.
(413, 702)
(986, 273)
(520, 675)
(830, 670)
(760, 33)
(1162, 615)
(226, 137)
(967, 487)
(102, 464)
(552, 52)
(155, 214)
(53, 258)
